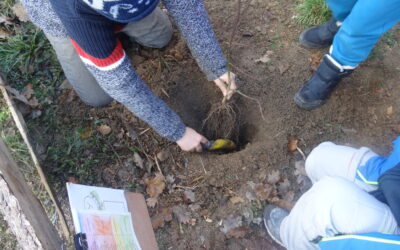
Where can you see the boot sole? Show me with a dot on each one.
(307, 105)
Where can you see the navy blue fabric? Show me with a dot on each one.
(123, 11)
(389, 184)
(93, 32)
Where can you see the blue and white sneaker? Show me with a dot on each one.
(273, 217)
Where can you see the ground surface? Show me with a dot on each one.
(216, 199)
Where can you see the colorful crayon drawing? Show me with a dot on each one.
(108, 231)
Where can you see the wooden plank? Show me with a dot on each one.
(29, 205)
(20, 123)
(141, 221)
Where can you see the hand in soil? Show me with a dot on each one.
(191, 141)
(227, 84)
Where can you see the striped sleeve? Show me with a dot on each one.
(105, 58)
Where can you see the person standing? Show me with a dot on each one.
(352, 32)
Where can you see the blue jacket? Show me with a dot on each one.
(376, 166)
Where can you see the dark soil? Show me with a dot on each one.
(356, 114)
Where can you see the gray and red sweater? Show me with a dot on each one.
(90, 25)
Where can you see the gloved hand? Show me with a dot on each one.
(223, 82)
(191, 140)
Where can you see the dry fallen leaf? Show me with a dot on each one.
(67, 96)
(283, 204)
(284, 186)
(250, 194)
(33, 102)
(389, 112)
(20, 12)
(238, 232)
(164, 214)
(163, 155)
(73, 180)
(300, 168)
(104, 129)
(157, 221)
(265, 58)
(152, 201)
(182, 214)
(4, 33)
(138, 160)
(289, 196)
(236, 199)
(155, 186)
(4, 19)
(315, 59)
(231, 222)
(292, 145)
(86, 133)
(189, 196)
(28, 91)
(273, 177)
(17, 95)
(265, 192)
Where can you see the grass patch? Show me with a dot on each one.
(5, 7)
(312, 12)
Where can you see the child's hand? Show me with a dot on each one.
(191, 141)
(223, 82)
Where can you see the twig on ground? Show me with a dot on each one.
(158, 165)
(165, 92)
(202, 164)
(301, 152)
(116, 154)
(144, 131)
(197, 179)
(184, 187)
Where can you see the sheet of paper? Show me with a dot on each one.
(105, 231)
(83, 197)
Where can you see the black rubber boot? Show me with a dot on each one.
(319, 36)
(324, 81)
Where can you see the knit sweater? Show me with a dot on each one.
(93, 35)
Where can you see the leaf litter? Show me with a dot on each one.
(164, 215)
(183, 215)
(154, 187)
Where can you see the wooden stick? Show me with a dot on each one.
(22, 210)
(20, 123)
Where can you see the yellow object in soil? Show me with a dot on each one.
(221, 144)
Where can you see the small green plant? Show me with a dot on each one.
(389, 39)
(5, 116)
(312, 12)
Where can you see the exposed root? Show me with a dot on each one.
(223, 121)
